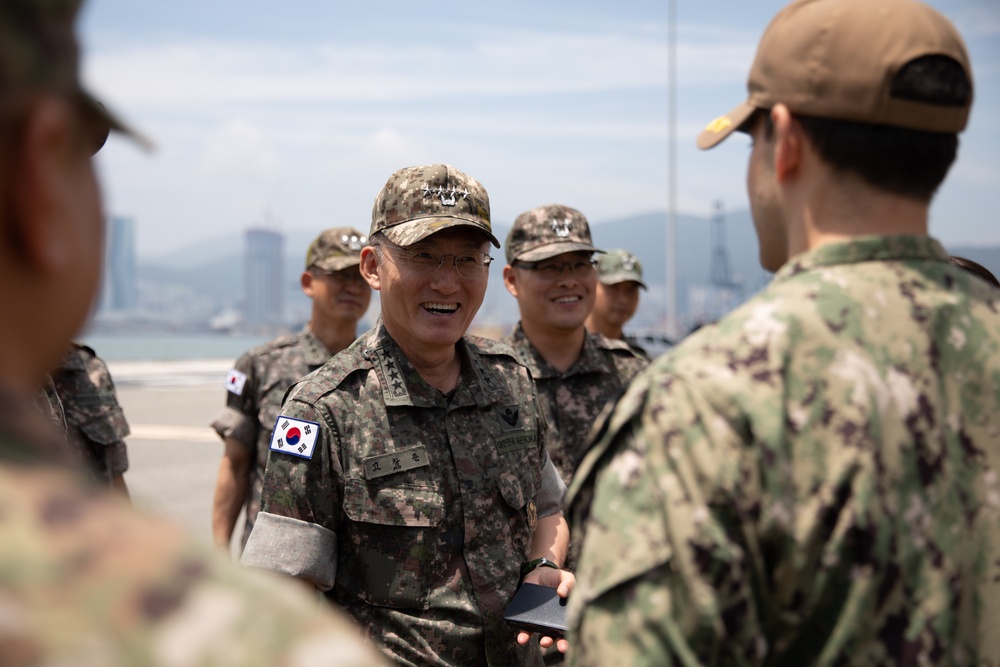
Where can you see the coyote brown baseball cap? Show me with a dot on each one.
(836, 59)
(39, 53)
(419, 201)
(335, 249)
(548, 231)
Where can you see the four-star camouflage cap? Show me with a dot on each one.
(619, 266)
(39, 53)
(836, 59)
(548, 231)
(419, 201)
(335, 249)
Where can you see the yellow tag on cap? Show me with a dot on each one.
(719, 124)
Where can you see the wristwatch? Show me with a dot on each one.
(535, 563)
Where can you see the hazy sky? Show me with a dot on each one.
(293, 114)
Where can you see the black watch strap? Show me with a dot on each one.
(536, 563)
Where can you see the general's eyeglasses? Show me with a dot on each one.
(579, 268)
(428, 259)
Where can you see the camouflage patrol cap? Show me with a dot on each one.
(619, 266)
(548, 231)
(39, 52)
(335, 249)
(419, 201)
(837, 59)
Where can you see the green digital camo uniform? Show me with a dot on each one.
(572, 400)
(254, 391)
(95, 423)
(416, 509)
(88, 582)
(811, 481)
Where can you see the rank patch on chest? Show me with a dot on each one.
(509, 417)
(235, 381)
(294, 436)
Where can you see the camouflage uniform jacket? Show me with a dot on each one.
(253, 404)
(416, 509)
(572, 400)
(89, 582)
(95, 423)
(810, 481)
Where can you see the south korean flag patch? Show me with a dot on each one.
(294, 436)
(235, 381)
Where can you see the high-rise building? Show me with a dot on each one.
(265, 303)
(119, 292)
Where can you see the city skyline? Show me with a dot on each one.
(300, 114)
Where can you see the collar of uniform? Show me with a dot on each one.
(403, 386)
(865, 249)
(314, 352)
(76, 359)
(591, 360)
(26, 436)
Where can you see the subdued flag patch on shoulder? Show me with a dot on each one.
(235, 381)
(294, 436)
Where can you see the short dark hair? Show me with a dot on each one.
(909, 163)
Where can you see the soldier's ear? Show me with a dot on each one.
(510, 280)
(306, 281)
(370, 268)
(37, 176)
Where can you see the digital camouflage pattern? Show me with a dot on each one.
(810, 481)
(572, 400)
(336, 249)
(619, 266)
(249, 417)
(637, 350)
(548, 231)
(418, 201)
(83, 392)
(88, 582)
(426, 503)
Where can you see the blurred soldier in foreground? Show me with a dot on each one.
(83, 395)
(619, 277)
(813, 480)
(550, 271)
(257, 384)
(83, 579)
(407, 478)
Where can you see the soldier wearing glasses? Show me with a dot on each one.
(407, 478)
(257, 384)
(551, 272)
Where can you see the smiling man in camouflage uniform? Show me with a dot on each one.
(407, 478)
(85, 580)
(257, 384)
(813, 480)
(550, 271)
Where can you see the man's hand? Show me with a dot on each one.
(561, 580)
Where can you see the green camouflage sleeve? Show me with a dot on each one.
(85, 580)
(682, 590)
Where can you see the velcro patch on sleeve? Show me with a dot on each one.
(294, 436)
(235, 381)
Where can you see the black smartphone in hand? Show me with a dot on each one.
(537, 609)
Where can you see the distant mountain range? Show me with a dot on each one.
(215, 269)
